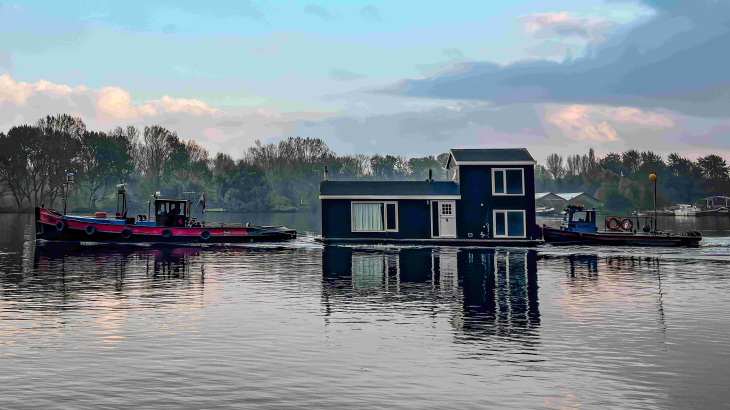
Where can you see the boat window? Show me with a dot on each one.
(509, 224)
(583, 216)
(508, 181)
(374, 216)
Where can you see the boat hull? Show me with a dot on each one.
(54, 227)
(558, 236)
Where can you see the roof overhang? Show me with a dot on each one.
(495, 162)
(389, 197)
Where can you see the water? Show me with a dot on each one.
(299, 325)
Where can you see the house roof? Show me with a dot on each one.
(541, 195)
(573, 195)
(496, 155)
(388, 188)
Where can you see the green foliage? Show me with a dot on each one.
(621, 180)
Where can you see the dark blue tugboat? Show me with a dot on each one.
(579, 227)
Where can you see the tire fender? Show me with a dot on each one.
(126, 233)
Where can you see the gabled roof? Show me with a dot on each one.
(572, 195)
(387, 188)
(490, 155)
(551, 195)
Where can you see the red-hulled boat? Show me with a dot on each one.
(172, 224)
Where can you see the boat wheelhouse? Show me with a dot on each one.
(488, 199)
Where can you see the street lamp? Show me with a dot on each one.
(653, 178)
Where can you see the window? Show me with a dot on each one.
(509, 224)
(508, 181)
(582, 217)
(375, 217)
(446, 209)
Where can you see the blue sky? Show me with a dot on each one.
(406, 78)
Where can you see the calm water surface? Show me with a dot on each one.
(298, 325)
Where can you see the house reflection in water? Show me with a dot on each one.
(485, 291)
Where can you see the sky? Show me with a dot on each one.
(401, 78)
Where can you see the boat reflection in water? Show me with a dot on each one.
(485, 292)
(109, 276)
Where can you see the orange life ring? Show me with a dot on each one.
(627, 224)
(610, 226)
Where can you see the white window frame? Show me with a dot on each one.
(385, 215)
(504, 181)
(506, 224)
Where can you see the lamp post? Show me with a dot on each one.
(653, 178)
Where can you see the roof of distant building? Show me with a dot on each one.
(569, 196)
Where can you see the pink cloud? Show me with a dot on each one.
(547, 25)
(576, 123)
(593, 122)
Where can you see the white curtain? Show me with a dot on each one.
(367, 217)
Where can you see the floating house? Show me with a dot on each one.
(488, 199)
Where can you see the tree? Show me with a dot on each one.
(713, 167)
(678, 165)
(612, 162)
(554, 166)
(153, 154)
(631, 160)
(62, 136)
(222, 164)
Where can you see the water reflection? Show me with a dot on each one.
(485, 292)
(71, 277)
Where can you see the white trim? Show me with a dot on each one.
(496, 162)
(504, 181)
(506, 225)
(385, 215)
(438, 216)
(388, 197)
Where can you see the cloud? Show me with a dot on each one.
(574, 120)
(318, 11)
(454, 54)
(344, 75)
(671, 61)
(549, 25)
(371, 13)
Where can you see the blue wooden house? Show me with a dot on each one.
(488, 199)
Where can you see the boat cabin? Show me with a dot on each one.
(172, 212)
(578, 219)
(488, 199)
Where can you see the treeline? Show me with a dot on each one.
(621, 180)
(268, 177)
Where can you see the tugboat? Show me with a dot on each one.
(172, 223)
(579, 227)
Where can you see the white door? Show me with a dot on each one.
(447, 219)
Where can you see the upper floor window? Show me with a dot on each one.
(508, 181)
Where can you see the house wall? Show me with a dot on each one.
(413, 220)
(475, 210)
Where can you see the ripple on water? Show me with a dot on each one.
(304, 326)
